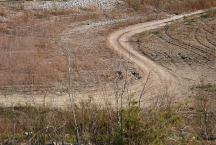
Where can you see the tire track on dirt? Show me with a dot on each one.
(198, 50)
(118, 41)
(197, 33)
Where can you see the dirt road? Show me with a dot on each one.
(162, 77)
(119, 41)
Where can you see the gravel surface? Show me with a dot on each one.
(90, 25)
(101, 4)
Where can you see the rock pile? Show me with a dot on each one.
(101, 4)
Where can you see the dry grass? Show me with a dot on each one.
(3, 11)
(55, 12)
(30, 54)
(172, 6)
(31, 34)
(162, 123)
(38, 33)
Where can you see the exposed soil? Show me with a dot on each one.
(186, 48)
(35, 46)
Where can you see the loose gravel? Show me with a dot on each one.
(91, 25)
(101, 4)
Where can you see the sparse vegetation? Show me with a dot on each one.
(45, 52)
(35, 35)
(162, 124)
(172, 6)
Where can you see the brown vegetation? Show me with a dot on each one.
(163, 123)
(29, 54)
(172, 6)
(29, 57)
(186, 48)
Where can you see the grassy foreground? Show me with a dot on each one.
(162, 124)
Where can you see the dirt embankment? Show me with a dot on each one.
(35, 46)
(170, 82)
(185, 48)
(56, 34)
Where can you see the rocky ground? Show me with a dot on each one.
(101, 4)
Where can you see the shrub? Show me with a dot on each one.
(183, 124)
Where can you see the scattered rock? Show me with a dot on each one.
(184, 57)
(119, 75)
(136, 75)
(58, 143)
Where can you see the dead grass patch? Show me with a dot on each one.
(172, 6)
(29, 56)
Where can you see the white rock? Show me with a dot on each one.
(101, 4)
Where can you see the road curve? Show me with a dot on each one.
(119, 42)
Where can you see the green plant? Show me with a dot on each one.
(101, 125)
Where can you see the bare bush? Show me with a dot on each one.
(164, 124)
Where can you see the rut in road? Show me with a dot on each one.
(119, 41)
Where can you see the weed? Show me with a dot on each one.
(100, 125)
(206, 87)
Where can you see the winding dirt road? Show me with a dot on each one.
(118, 41)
